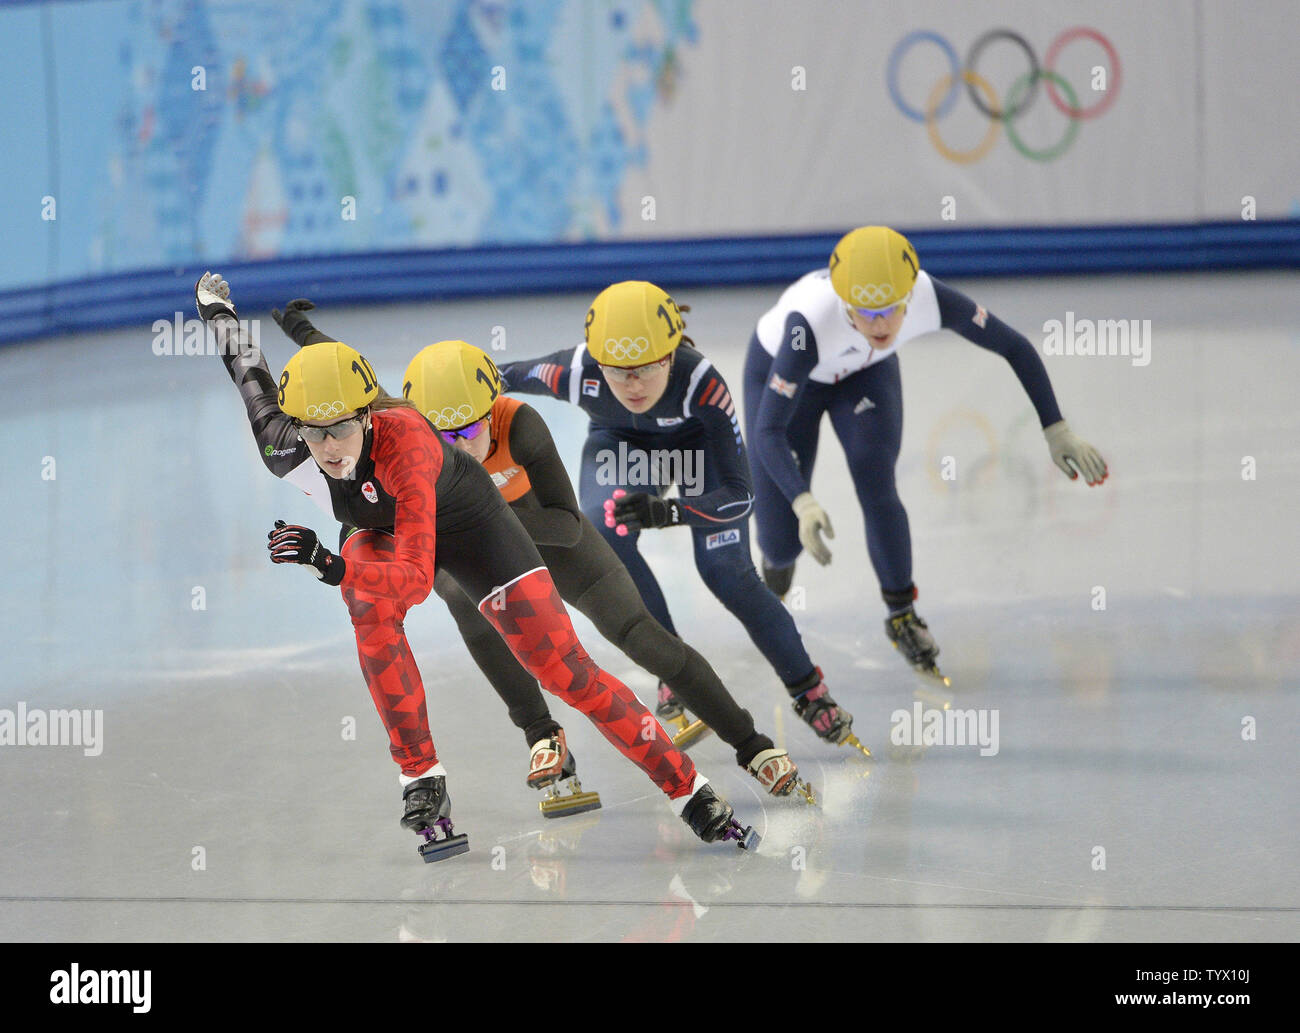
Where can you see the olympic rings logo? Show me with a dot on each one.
(450, 417)
(1023, 92)
(626, 348)
(871, 294)
(324, 411)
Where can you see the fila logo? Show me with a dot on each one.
(721, 538)
(981, 316)
(591, 388)
(501, 477)
(669, 421)
(863, 405)
(368, 490)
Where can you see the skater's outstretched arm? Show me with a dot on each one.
(963, 316)
(277, 439)
(1072, 454)
(548, 375)
(555, 519)
(294, 322)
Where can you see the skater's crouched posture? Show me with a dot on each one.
(655, 402)
(830, 345)
(458, 389)
(420, 506)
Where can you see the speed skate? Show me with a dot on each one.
(553, 770)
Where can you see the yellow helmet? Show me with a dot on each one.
(873, 267)
(323, 381)
(453, 383)
(632, 323)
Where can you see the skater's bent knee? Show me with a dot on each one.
(648, 645)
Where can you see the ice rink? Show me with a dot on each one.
(1138, 643)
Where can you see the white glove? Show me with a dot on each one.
(812, 521)
(1071, 453)
(212, 295)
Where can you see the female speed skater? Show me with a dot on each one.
(458, 389)
(660, 413)
(807, 357)
(414, 506)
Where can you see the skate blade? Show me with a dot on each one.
(856, 743)
(805, 790)
(930, 671)
(746, 838)
(690, 734)
(937, 675)
(441, 849)
(572, 803)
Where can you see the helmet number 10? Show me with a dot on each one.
(367, 374)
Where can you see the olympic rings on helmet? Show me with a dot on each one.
(871, 295)
(625, 349)
(450, 417)
(324, 410)
(943, 97)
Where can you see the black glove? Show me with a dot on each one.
(641, 510)
(292, 321)
(291, 543)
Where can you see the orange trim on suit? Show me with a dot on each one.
(508, 475)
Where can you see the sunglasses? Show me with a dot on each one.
(621, 375)
(885, 313)
(342, 429)
(468, 433)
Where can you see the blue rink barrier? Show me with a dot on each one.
(139, 298)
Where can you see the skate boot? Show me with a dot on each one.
(553, 769)
(778, 579)
(813, 703)
(672, 715)
(777, 774)
(711, 818)
(428, 812)
(911, 637)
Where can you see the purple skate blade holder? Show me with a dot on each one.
(435, 849)
(746, 838)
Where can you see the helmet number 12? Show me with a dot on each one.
(674, 327)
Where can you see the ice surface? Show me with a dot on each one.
(1121, 729)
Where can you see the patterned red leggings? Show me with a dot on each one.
(531, 618)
